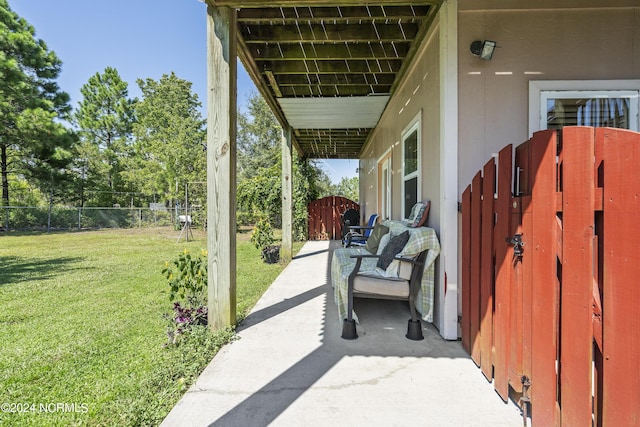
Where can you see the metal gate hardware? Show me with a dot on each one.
(518, 244)
(525, 399)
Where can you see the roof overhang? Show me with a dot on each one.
(334, 112)
(327, 69)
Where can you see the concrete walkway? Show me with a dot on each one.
(290, 367)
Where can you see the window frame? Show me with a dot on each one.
(542, 90)
(414, 125)
(385, 187)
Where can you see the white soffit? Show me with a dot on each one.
(334, 113)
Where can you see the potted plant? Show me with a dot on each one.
(262, 238)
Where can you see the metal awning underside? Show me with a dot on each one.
(327, 69)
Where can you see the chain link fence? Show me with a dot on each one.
(65, 218)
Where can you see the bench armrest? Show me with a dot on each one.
(413, 260)
(364, 256)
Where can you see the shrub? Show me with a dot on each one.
(188, 292)
(262, 234)
(188, 281)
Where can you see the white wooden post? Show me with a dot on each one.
(221, 165)
(286, 251)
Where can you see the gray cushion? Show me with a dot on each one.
(371, 284)
(392, 249)
(374, 239)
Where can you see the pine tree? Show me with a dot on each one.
(33, 142)
(105, 119)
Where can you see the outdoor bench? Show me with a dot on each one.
(356, 272)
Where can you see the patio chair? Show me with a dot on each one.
(358, 234)
(349, 217)
(367, 285)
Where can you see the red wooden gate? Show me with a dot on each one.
(549, 293)
(325, 221)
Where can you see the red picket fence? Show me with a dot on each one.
(325, 221)
(550, 297)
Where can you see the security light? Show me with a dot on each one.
(483, 49)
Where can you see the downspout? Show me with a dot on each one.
(448, 290)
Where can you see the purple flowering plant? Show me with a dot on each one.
(183, 318)
(187, 280)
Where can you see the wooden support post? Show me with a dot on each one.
(221, 165)
(286, 251)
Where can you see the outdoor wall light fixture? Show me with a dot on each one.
(483, 49)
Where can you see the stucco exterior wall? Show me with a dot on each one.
(538, 40)
(418, 95)
(550, 44)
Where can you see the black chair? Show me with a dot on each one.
(349, 217)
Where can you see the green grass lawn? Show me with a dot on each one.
(81, 324)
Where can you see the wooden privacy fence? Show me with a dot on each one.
(325, 221)
(550, 271)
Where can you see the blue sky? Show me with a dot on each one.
(140, 38)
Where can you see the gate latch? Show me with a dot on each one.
(518, 244)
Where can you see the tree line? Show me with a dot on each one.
(117, 150)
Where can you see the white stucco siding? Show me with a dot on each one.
(560, 44)
(419, 95)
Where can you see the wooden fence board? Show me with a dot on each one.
(487, 270)
(565, 311)
(519, 353)
(476, 245)
(598, 360)
(541, 248)
(502, 330)
(621, 340)
(466, 269)
(577, 276)
(516, 338)
(325, 217)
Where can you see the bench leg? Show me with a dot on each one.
(414, 330)
(349, 329)
(349, 325)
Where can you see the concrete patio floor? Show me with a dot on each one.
(290, 367)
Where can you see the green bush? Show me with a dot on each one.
(262, 234)
(187, 280)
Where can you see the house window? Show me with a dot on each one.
(597, 103)
(411, 142)
(384, 185)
